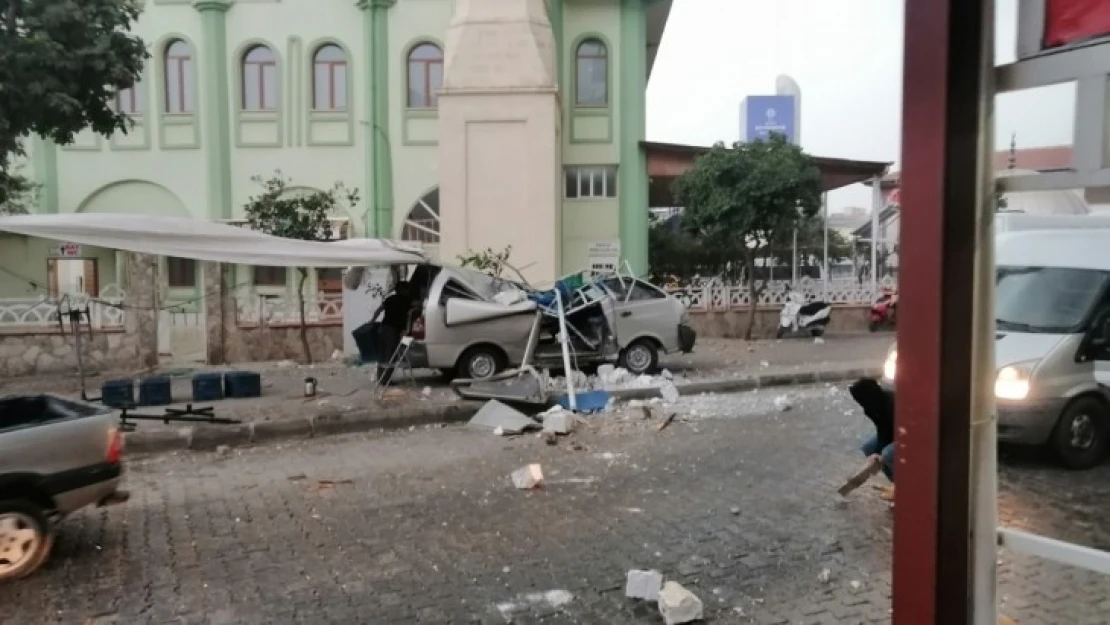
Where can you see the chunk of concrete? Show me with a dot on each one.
(528, 477)
(643, 585)
(495, 415)
(559, 423)
(669, 392)
(678, 605)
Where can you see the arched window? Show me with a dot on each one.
(425, 76)
(422, 222)
(591, 73)
(260, 79)
(179, 77)
(329, 79)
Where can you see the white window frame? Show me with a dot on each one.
(598, 181)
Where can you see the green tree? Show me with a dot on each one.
(811, 244)
(295, 214)
(61, 64)
(18, 194)
(749, 195)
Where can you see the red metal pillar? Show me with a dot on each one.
(945, 85)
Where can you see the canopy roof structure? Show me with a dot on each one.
(208, 241)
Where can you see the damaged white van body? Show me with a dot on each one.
(474, 325)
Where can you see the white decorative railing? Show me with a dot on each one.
(41, 313)
(719, 296)
(285, 311)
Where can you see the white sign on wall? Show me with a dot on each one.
(604, 255)
(68, 250)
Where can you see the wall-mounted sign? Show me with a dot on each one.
(604, 256)
(761, 115)
(68, 250)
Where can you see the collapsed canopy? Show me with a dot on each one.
(206, 240)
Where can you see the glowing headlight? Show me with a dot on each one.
(890, 365)
(1013, 381)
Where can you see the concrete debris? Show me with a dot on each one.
(223, 450)
(559, 423)
(499, 431)
(643, 585)
(669, 392)
(856, 584)
(337, 355)
(510, 296)
(495, 414)
(528, 477)
(735, 510)
(825, 576)
(427, 392)
(678, 605)
(783, 403)
(552, 599)
(666, 374)
(818, 340)
(764, 364)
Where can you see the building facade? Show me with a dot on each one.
(527, 113)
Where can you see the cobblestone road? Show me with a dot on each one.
(424, 527)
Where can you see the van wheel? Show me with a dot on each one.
(640, 357)
(1082, 434)
(25, 539)
(818, 331)
(481, 362)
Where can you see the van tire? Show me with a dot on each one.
(481, 362)
(641, 357)
(28, 516)
(1082, 434)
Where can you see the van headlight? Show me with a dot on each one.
(891, 365)
(1013, 381)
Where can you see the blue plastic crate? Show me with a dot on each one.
(590, 401)
(208, 387)
(117, 393)
(155, 391)
(242, 384)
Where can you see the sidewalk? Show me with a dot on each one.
(347, 399)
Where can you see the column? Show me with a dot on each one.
(380, 166)
(44, 159)
(632, 183)
(217, 104)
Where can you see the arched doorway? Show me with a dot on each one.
(421, 223)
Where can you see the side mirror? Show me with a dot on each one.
(1100, 334)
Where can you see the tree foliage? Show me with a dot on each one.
(297, 214)
(748, 197)
(487, 261)
(18, 194)
(61, 64)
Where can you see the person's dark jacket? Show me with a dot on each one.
(878, 405)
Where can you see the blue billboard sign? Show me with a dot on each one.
(760, 115)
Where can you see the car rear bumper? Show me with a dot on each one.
(87, 486)
(687, 336)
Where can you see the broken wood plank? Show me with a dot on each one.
(857, 480)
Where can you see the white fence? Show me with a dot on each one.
(720, 297)
(42, 313)
(285, 311)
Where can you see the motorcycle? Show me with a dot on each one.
(797, 315)
(883, 311)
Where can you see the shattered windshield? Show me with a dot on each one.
(1048, 300)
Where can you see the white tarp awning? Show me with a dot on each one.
(206, 240)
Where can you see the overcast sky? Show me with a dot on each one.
(846, 56)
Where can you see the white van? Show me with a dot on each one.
(1052, 347)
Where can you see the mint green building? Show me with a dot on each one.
(465, 124)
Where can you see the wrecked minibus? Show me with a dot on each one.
(473, 325)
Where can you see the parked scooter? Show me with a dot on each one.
(798, 316)
(884, 311)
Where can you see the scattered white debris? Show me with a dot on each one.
(510, 296)
(735, 510)
(764, 364)
(499, 431)
(286, 364)
(559, 423)
(856, 584)
(634, 510)
(528, 477)
(678, 605)
(669, 392)
(495, 414)
(223, 450)
(552, 598)
(818, 340)
(643, 585)
(825, 576)
(666, 374)
(427, 392)
(337, 355)
(783, 403)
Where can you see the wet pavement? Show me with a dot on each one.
(735, 500)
